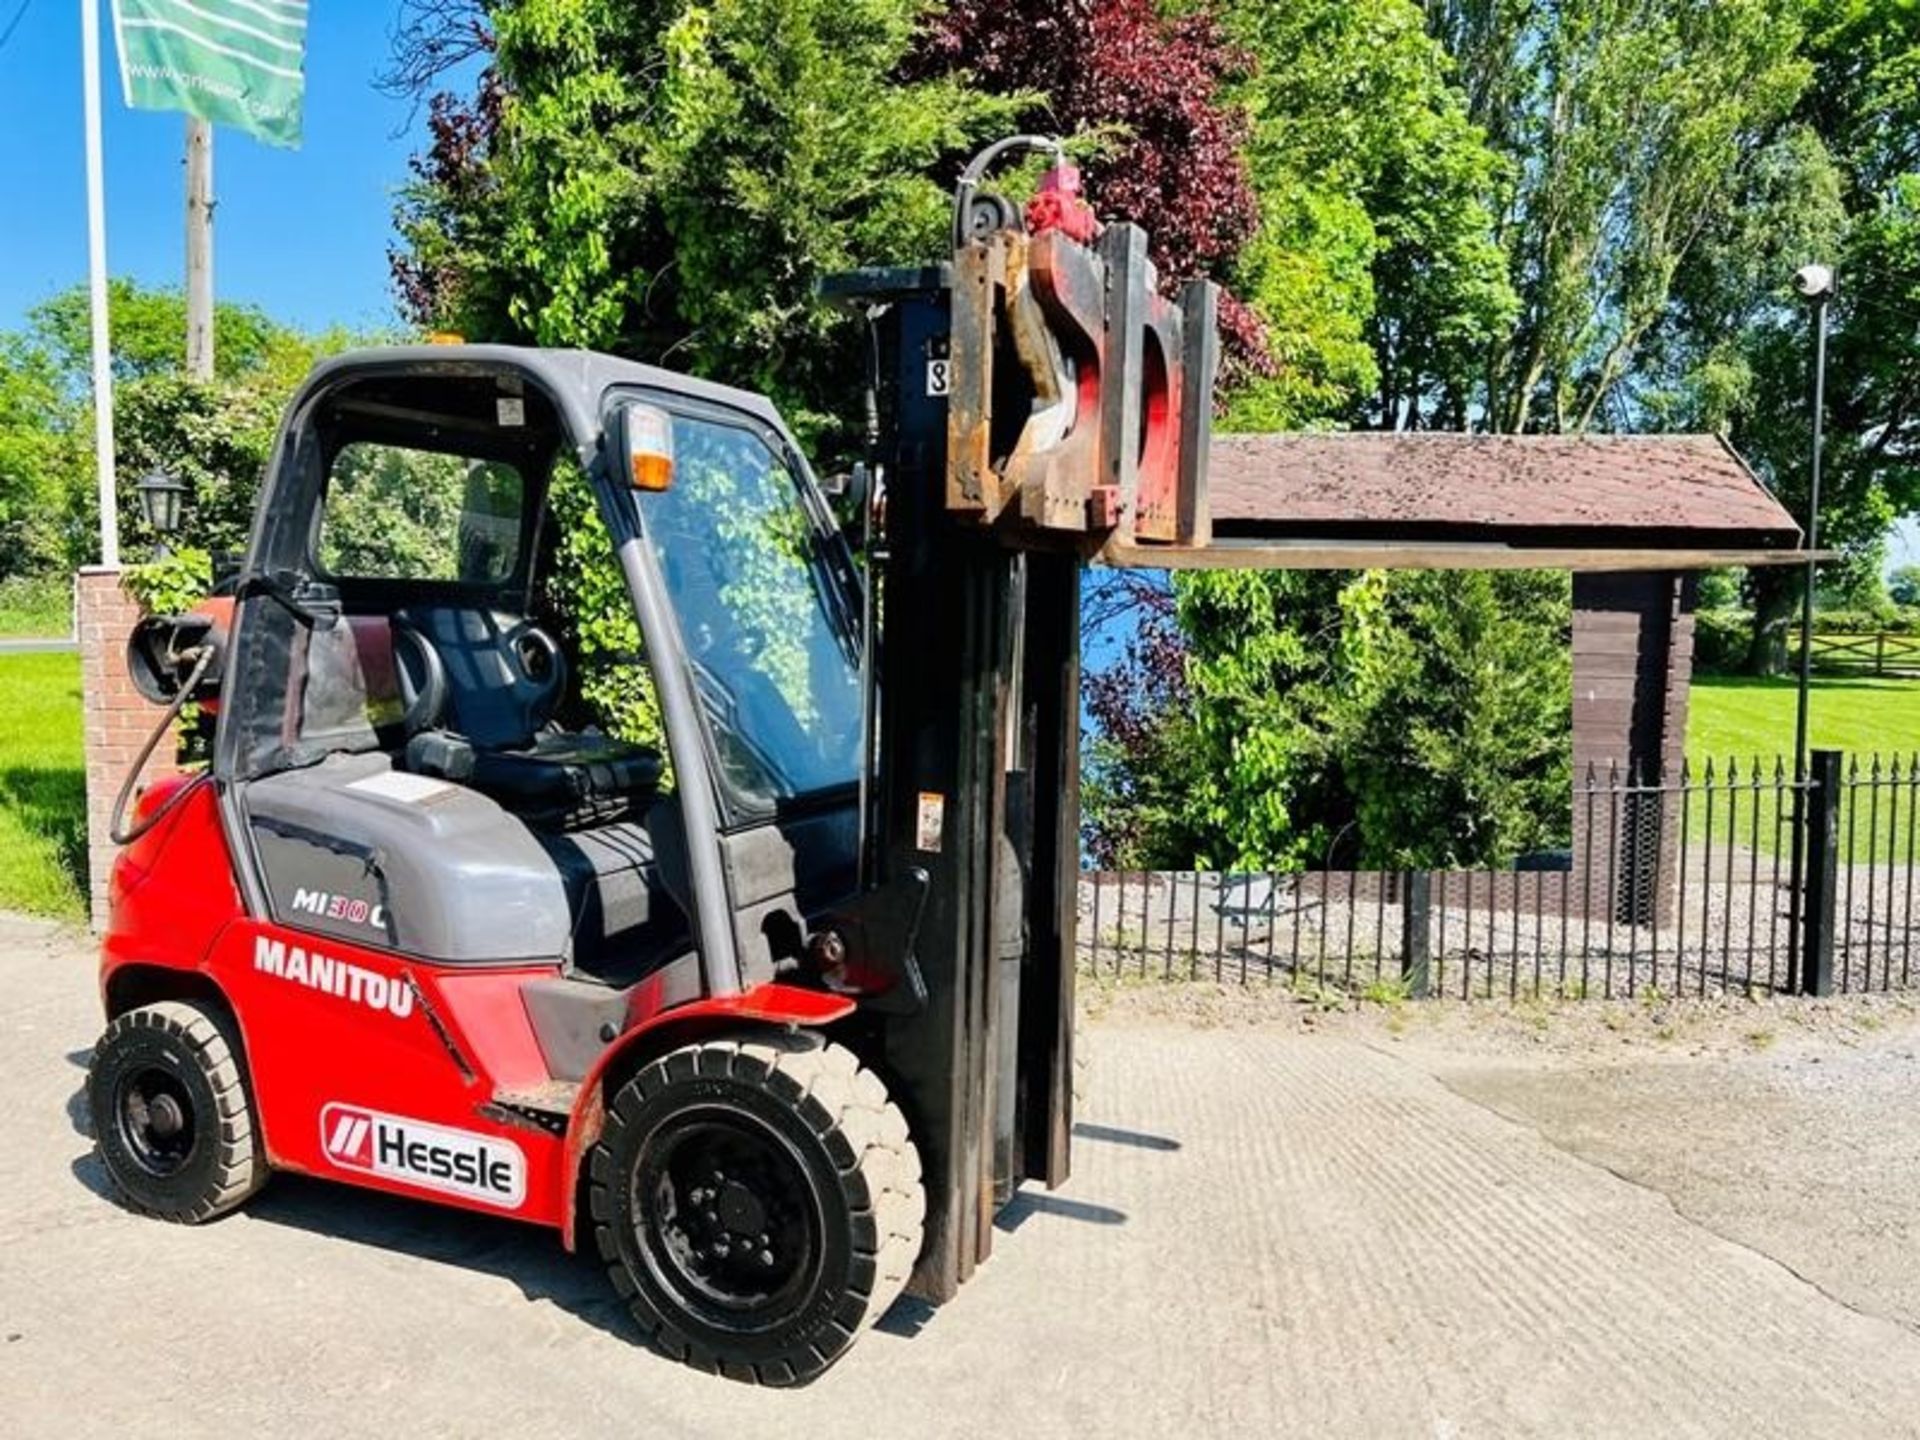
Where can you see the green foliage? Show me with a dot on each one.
(1890, 621)
(36, 606)
(391, 511)
(40, 452)
(669, 180)
(1632, 126)
(172, 584)
(215, 436)
(1454, 715)
(1839, 183)
(1375, 268)
(1137, 800)
(745, 503)
(586, 595)
(148, 329)
(1719, 589)
(1903, 586)
(1720, 640)
(1373, 718)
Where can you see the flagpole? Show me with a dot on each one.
(97, 284)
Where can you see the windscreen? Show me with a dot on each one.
(767, 630)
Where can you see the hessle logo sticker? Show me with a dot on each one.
(458, 1162)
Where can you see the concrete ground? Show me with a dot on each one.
(1431, 1222)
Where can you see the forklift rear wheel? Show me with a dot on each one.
(758, 1206)
(171, 1113)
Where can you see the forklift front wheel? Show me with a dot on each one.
(171, 1114)
(757, 1206)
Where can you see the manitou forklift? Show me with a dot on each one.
(774, 1015)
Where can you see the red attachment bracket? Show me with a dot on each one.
(1099, 420)
(1058, 205)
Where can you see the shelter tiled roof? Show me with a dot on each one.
(1643, 490)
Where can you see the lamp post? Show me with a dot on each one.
(160, 495)
(1815, 284)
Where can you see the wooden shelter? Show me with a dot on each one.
(1634, 517)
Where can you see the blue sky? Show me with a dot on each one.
(300, 232)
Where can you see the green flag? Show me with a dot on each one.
(233, 62)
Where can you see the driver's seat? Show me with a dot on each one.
(482, 689)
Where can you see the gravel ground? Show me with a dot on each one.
(1290, 1215)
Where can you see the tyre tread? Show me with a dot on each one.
(240, 1167)
(846, 1105)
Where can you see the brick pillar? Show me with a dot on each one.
(116, 719)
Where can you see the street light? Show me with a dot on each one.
(1815, 284)
(160, 495)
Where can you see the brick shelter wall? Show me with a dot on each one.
(116, 719)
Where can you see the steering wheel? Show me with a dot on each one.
(424, 694)
(541, 664)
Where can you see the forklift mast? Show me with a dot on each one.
(1038, 399)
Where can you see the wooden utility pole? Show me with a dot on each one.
(199, 249)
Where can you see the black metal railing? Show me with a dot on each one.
(1684, 884)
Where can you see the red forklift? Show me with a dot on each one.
(773, 1015)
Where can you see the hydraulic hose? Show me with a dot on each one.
(203, 658)
(976, 171)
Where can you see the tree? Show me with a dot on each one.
(669, 180)
(1903, 586)
(1632, 126)
(39, 453)
(1381, 719)
(1872, 454)
(1375, 267)
(1144, 88)
(1375, 273)
(1138, 763)
(148, 327)
(1839, 184)
(215, 436)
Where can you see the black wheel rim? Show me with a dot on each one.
(155, 1116)
(728, 1218)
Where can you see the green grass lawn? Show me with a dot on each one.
(43, 799)
(1740, 719)
(36, 608)
(1744, 717)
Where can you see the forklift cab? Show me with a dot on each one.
(402, 729)
(422, 927)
